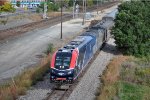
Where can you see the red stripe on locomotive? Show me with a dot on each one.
(53, 60)
(74, 58)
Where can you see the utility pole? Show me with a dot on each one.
(45, 10)
(101, 4)
(61, 21)
(97, 6)
(83, 12)
(74, 8)
(85, 7)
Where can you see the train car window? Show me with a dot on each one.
(62, 61)
(59, 61)
(66, 61)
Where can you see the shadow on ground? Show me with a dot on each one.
(109, 48)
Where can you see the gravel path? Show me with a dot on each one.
(87, 86)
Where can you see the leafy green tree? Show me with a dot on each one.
(89, 2)
(0, 9)
(131, 31)
(7, 7)
(51, 6)
(71, 3)
(18, 4)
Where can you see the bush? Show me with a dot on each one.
(38, 10)
(18, 4)
(89, 2)
(7, 7)
(131, 31)
(49, 49)
(51, 6)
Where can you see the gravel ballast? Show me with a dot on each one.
(87, 86)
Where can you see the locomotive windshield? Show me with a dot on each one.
(62, 60)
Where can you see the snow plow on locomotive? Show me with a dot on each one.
(68, 62)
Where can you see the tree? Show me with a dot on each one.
(7, 7)
(18, 4)
(89, 2)
(51, 6)
(131, 31)
(71, 2)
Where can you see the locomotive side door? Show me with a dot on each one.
(80, 60)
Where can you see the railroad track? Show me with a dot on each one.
(31, 26)
(58, 92)
(4, 34)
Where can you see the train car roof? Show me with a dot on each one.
(84, 40)
(78, 42)
(106, 24)
(90, 32)
(111, 14)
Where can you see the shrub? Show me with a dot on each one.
(51, 6)
(131, 29)
(49, 49)
(4, 21)
(89, 2)
(7, 7)
(38, 10)
(18, 4)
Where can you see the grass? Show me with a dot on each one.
(4, 21)
(109, 77)
(21, 83)
(131, 91)
(131, 83)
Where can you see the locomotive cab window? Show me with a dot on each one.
(62, 61)
(59, 61)
(66, 61)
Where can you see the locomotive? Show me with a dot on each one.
(68, 62)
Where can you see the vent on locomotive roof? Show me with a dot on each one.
(60, 50)
(78, 40)
(69, 47)
(74, 43)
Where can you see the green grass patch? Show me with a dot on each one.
(131, 91)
